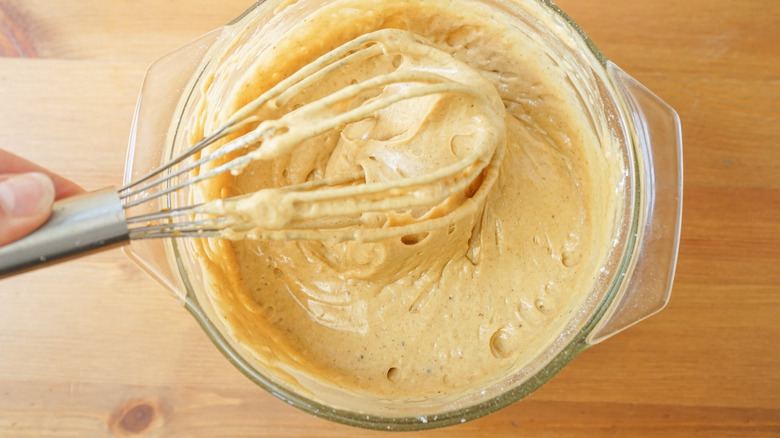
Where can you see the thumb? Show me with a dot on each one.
(25, 204)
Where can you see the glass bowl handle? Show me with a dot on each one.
(658, 140)
(160, 96)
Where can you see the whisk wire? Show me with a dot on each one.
(292, 85)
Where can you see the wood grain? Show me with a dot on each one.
(95, 347)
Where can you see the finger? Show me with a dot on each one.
(25, 204)
(12, 164)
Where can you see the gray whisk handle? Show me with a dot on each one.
(77, 226)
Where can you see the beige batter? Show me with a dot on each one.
(446, 311)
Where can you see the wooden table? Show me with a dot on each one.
(95, 347)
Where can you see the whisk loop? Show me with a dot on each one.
(333, 207)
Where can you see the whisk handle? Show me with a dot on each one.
(77, 226)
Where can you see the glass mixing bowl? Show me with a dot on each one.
(636, 279)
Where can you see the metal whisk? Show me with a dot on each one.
(329, 208)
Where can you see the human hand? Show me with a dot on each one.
(27, 192)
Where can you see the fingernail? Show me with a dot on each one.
(26, 194)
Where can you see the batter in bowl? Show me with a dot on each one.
(436, 316)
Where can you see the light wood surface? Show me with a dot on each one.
(95, 347)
